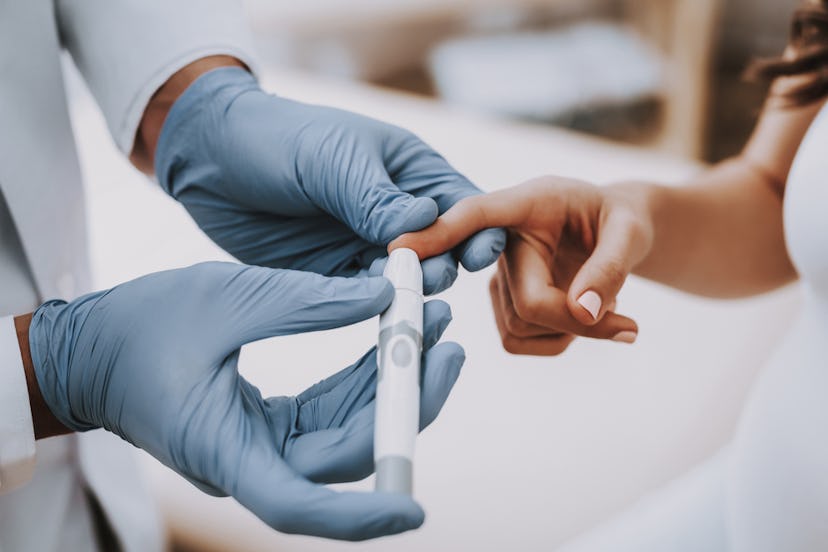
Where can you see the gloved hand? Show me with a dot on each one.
(155, 361)
(282, 184)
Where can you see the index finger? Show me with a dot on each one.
(466, 218)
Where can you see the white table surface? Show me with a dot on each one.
(528, 451)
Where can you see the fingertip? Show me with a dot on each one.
(418, 516)
(381, 288)
(458, 354)
(438, 311)
(439, 273)
(377, 266)
(410, 240)
(585, 306)
(427, 242)
(626, 336)
(483, 249)
(451, 353)
(407, 509)
(358, 297)
(422, 213)
(391, 513)
(411, 215)
(440, 372)
(436, 318)
(625, 329)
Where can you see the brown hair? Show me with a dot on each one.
(807, 55)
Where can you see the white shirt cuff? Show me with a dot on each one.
(17, 441)
(127, 49)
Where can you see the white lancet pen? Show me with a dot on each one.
(400, 347)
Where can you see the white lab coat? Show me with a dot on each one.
(125, 49)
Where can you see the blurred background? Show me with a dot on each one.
(662, 73)
(529, 452)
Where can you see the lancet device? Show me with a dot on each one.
(399, 349)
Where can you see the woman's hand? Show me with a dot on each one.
(571, 246)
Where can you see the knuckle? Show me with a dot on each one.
(614, 273)
(557, 350)
(511, 344)
(471, 207)
(637, 231)
(512, 322)
(634, 231)
(541, 185)
(493, 286)
(562, 346)
(527, 307)
(559, 345)
(515, 325)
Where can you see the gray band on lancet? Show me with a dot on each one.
(395, 475)
(400, 328)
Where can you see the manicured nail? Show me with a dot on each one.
(625, 336)
(591, 301)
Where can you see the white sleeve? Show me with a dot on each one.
(17, 442)
(126, 49)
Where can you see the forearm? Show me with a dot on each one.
(45, 423)
(721, 236)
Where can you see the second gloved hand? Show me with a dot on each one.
(155, 361)
(283, 184)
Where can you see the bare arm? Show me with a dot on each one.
(719, 235)
(572, 244)
(722, 235)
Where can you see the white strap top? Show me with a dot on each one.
(806, 208)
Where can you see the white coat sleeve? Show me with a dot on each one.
(126, 49)
(17, 442)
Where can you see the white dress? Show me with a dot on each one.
(768, 490)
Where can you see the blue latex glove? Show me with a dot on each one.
(155, 361)
(282, 184)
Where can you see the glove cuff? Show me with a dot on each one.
(51, 342)
(216, 87)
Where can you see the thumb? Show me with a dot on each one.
(621, 245)
(377, 210)
(291, 504)
(261, 302)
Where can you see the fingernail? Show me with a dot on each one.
(625, 336)
(591, 301)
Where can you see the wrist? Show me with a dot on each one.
(44, 421)
(642, 200)
(149, 130)
(194, 136)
